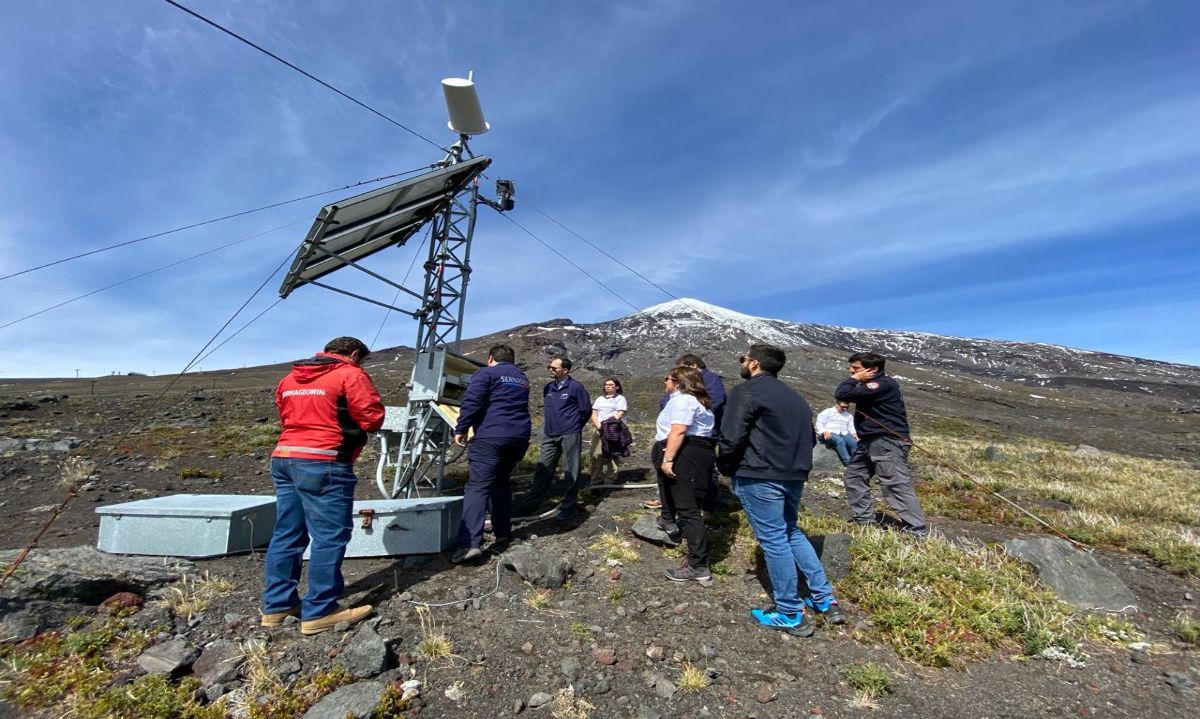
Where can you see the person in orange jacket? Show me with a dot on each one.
(327, 405)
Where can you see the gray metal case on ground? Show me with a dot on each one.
(187, 525)
(425, 525)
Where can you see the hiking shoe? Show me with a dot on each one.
(831, 610)
(500, 545)
(352, 615)
(466, 555)
(652, 504)
(688, 574)
(917, 532)
(797, 624)
(276, 619)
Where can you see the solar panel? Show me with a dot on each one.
(358, 227)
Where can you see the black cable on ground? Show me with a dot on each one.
(194, 225)
(303, 72)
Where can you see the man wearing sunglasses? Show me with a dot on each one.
(568, 409)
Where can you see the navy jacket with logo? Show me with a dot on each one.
(496, 403)
(568, 407)
(880, 400)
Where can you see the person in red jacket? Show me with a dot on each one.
(327, 405)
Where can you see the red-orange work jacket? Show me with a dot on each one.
(327, 405)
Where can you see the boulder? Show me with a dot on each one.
(1074, 576)
(53, 584)
(646, 528)
(354, 700)
(219, 663)
(834, 551)
(995, 454)
(170, 657)
(366, 655)
(1085, 450)
(539, 568)
(825, 461)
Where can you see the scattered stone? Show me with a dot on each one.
(1140, 646)
(366, 655)
(539, 568)
(538, 700)
(1085, 450)
(518, 706)
(664, 688)
(601, 686)
(170, 657)
(708, 651)
(604, 656)
(570, 668)
(1074, 576)
(1179, 681)
(121, 603)
(527, 647)
(680, 609)
(995, 454)
(645, 712)
(218, 664)
(765, 693)
(215, 692)
(655, 653)
(1187, 596)
(455, 692)
(614, 574)
(354, 700)
(410, 690)
(646, 528)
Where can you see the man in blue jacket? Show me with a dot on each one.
(568, 408)
(496, 406)
(881, 423)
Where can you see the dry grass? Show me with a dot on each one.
(434, 643)
(76, 471)
(1149, 506)
(192, 595)
(616, 548)
(538, 599)
(692, 678)
(568, 706)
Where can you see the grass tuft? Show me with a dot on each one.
(692, 678)
(568, 706)
(869, 679)
(1187, 628)
(616, 548)
(434, 643)
(537, 599)
(193, 594)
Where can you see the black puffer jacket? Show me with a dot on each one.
(767, 432)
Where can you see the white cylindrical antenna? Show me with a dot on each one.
(462, 104)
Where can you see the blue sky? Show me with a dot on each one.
(1008, 170)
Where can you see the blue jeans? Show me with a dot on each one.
(771, 507)
(314, 499)
(845, 445)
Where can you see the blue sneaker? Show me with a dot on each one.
(830, 610)
(797, 624)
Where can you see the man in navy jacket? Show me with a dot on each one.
(881, 422)
(568, 408)
(496, 406)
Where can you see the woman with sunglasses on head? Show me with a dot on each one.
(683, 456)
(611, 441)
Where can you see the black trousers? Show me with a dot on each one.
(684, 494)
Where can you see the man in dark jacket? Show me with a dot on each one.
(766, 446)
(327, 405)
(496, 407)
(882, 426)
(568, 408)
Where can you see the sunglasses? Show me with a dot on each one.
(744, 359)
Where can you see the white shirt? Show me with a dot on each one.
(686, 410)
(834, 421)
(609, 406)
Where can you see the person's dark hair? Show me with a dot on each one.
(614, 380)
(566, 363)
(769, 357)
(869, 360)
(691, 360)
(502, 353)
(346, 346)
(689, 381)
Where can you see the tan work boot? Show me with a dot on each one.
(276, 619)
(327, 622)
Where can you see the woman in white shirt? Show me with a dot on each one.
(683, 455)
(611, 405)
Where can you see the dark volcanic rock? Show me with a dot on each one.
(539, 568)
(356, 700)
(646, 528)
(219, 663)
(366, 655)
(1074, 576)
(170, 657)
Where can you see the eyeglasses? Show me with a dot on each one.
(668, 379)
(550, 366)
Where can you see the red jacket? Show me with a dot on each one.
(327, 405)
